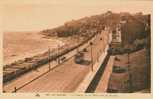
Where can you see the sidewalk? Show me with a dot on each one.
(103, 84)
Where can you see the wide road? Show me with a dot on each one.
(64, 78)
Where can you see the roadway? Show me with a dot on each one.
(61, 78)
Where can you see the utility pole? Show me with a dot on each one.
(3, 89)
(15, 89)
(91, 56)
(98, 54)
(78, 43)
(58, 54)
(101, 43)
(49, 58)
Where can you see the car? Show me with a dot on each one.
(79, 57)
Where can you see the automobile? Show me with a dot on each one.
(79, 57)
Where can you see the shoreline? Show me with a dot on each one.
(20, 45)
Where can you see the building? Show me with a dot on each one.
(116, 37)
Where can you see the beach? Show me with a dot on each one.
(19, 45)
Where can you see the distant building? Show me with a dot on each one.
(123, 22)
(116, 37)
(108, 13)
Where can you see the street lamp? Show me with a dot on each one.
(91, 56)
(15, 89)
(58, 52)
(49, 58)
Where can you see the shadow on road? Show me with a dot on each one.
(93, 85)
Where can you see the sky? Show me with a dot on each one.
(36, 15)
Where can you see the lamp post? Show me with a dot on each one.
(15, 89)
(101, 44)
(49, 58)
(91, 56)
(58, 59)
(78, 43)
(100, 48)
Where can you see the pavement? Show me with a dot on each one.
(103, 83)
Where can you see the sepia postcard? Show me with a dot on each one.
(75, 48)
